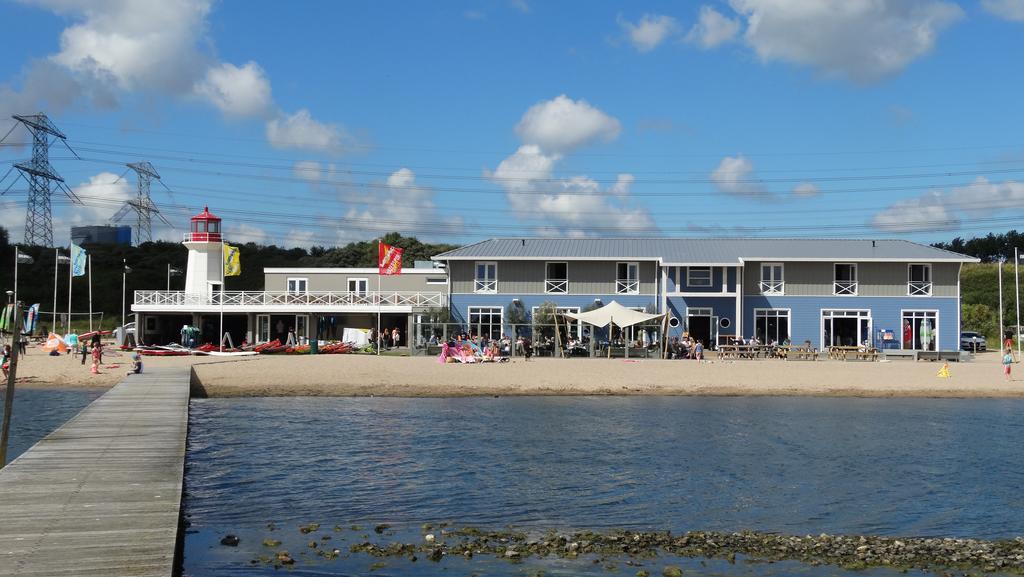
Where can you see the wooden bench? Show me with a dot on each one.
(799, 353)
(899, 354)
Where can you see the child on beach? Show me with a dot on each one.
(136, 365)
(698, 351)
(1007, 363)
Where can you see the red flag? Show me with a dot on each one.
(389, 259)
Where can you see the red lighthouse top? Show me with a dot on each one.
(205, 227)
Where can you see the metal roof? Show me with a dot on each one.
(707, 251)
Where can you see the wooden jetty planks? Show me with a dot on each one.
(101, 495)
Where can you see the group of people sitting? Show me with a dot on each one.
(686, 348)
(468, 352)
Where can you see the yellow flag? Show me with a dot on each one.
(232, 263)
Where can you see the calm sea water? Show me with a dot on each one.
(790, 465)
(38, 412)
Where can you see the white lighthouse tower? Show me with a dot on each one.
(205, 273)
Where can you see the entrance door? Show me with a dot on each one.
(701, 326)
(301, 328)
(845, 328)
(262, 328)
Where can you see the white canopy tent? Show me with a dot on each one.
(614, 314)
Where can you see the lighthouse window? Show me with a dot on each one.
(214, 226)
(200, 225)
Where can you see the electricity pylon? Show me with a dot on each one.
(143, 205)
(39, 173)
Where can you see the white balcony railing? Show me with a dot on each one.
(919, 288)
(845, 287)
(772, 287)
(556, 286)
(274, 298)
(486, 286)
(627, 287)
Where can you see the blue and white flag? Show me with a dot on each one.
(78, 260)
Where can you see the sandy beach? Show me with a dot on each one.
(361, 375)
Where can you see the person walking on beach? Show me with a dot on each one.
(97, 355)
(4, 361)
(395, 337)
(698, 351)
(1007, 363)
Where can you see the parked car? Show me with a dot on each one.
(972, 341)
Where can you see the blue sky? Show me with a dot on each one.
(320, 123)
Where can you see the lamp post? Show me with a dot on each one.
(999, 264)
(125, 269)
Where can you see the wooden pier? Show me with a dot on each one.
(100, 496)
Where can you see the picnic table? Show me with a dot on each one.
(745, 351)
(853, 353)
(798, 353)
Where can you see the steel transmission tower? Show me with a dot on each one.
(39, 173)
(144, 207)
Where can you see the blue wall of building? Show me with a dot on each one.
(724, 307)
(886, 313)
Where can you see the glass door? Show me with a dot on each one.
(262, 328)
(302, 328)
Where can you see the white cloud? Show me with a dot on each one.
(650, 31)
(308, 170)
(249, 233)
(562, 125)
(864, 40)
(734, 175)
(243, 92)
(520, 5)
(942, 210)
(138, 42)
(713, 28)
(806, 190)
(1006, 9)
(303, 132)
(399, 204)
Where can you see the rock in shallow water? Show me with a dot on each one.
(230, 541)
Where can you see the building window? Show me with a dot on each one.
(486, 277)
(556, 279)
(771, 278)
(920, 330)
(358, 286)
(627, 278)
(771, 325)
(297, 286)
(841, 328)
(485, 321)
(845, 279)
(919, 280)
(698, 276)
(262, 328)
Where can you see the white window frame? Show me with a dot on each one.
(691, 281)
(846, 288)
(357, 280)
(773, 286)
(485, 285)
(480, 309)
(556, 286)
(760, 313)
(262, 330)
(296, 280)
(838, 313)
(913, 313)
(627, 286)
(919, 288)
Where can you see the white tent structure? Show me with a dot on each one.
(614, 314)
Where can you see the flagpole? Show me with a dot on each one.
(71, 275)
(56, 262)
(378, 335)
(168, 277)
(89, 264)
(220, 335)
